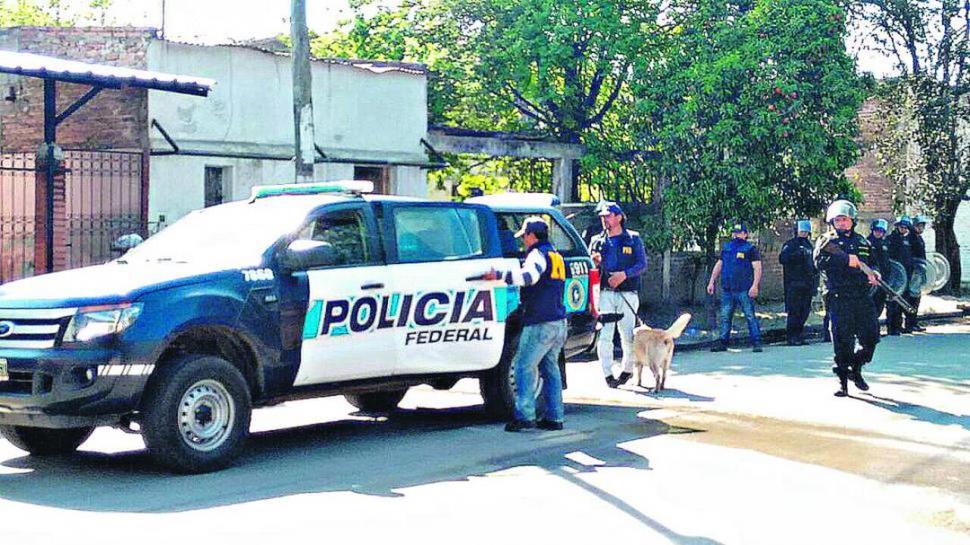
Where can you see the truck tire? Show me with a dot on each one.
(46, 441)
(196, 414)
(497, 385)
(376, 402)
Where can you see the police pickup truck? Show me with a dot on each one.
(301, 291)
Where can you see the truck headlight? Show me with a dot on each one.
(93, 322)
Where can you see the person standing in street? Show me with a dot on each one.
(839, 254)
(901, 250)
(739, 269)
(880, 253)
(800, 281)
(620, 256)
(542, 278)
(911, 320)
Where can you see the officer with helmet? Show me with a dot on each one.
(919, 252)
(901, 250)
(880, 252)
(800, 280)
(839, 254)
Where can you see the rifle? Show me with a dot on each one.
(833, 248)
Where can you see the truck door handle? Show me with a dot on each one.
(372, 286)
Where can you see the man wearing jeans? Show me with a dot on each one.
(619, 254)
(740, 271)
(543, 327)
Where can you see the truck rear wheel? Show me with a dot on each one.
(497, 385)
(196, 414)
(376, 402)
(46, 441)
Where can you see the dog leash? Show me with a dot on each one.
(617, 316)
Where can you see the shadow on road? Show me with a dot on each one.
(918, 412)
(370, 456)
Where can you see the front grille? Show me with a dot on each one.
(19, 383)
(32, 328)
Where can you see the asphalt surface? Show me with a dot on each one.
(742, 448)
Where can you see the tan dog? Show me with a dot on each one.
(655, 347)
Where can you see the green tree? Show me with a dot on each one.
(751, 112)
(925, 108)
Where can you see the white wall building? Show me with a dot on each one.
(370, 119)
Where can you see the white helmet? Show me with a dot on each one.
(840, 207)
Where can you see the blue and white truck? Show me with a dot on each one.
(300, 291)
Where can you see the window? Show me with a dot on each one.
(346, 231)
(437, 233)
(378, 175)
(510, 222)
(216, 186)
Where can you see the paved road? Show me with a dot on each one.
(743, 448)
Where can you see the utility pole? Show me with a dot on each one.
(303, 148)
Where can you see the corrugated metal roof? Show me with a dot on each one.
(39, 66)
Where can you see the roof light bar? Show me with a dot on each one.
(313, 188)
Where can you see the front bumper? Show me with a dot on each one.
(58, 388)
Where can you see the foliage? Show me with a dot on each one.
(751, 113)
(924, 110)
(51, 13)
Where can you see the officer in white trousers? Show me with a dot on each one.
(619, 254)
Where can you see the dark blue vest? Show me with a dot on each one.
(737, 274)
(543, 301)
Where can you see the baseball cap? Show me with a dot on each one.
(534, 225)
(606, 208)
(739, 227)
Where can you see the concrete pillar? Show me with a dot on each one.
(665, 288)
(60, 261)
(562, 178)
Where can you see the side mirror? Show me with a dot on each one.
(126, 242)
(301, 255)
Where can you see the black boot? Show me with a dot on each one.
(623, 378)
(857, 379)
(611, 382)
(843, 382)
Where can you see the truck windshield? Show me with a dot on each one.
(228, 236)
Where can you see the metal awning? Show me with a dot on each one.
(100, 75)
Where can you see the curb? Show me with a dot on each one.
(813, 333)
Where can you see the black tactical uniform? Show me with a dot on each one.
(901, 250)
(801, 281)
(853, 315)
(880, 253)
(919, 252)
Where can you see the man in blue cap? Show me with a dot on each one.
(901, 250)
(880, 253)
(800, 280)
(542, 278)
(739, 269)
(619, 254)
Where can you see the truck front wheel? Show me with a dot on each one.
(46, 441)
(196, 414)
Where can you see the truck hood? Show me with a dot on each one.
(101, 284)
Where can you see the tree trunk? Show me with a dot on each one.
(947, 244)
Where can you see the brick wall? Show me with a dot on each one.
(865, 174)
(114, 119)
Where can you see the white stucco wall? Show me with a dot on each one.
(359, 114)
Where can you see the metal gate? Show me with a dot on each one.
(103, 200)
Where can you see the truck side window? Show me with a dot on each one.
(512, 247)
(437, 234)
(346, 231)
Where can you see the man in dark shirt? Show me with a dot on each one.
(839, 254)
(910, 320)
(900, 250)
(619, 254)
(880, 252)
(800, 280)
(739, 269)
